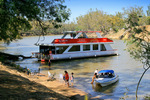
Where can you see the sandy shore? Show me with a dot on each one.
(22, 84)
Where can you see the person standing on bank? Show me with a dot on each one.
(66, 78)
(28, 71)
(72, 79)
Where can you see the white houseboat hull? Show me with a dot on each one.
(74, 55)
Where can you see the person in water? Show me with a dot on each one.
(96, 71)
(49, 63)
(39, 70)
(95, 74)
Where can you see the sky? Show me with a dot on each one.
(81, 7)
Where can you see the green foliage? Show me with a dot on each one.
(148, 11)
(116, 22)
(147, 97)
(139, 41)
(137, 45)
(148, 20)
(99, 20)
(133, 15)
(17, 14)
(96, 20)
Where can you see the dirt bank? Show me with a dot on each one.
(121, 33)
(16, 85)
(117, 35)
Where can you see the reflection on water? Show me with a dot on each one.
(127, 68)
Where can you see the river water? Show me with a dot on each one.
(128, 69)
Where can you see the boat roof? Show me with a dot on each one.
(106, 71)
(81, 40)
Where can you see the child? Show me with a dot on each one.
(72, 78)
(64, 79)
(28, 71)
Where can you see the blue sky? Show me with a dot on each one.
(81, 7)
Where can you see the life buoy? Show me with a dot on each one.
(42, 60)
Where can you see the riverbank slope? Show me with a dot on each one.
(16, 85)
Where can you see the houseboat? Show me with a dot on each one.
(78, 45)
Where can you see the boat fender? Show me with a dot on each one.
(42, 60)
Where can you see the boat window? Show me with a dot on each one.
(101, 75)
(44, 49)
(52, 49)
(75, 48)
(110, 75)
(105, 75)
(61, 49)
(103, 47)
(47, 49)
(95, 46)
(86, 47)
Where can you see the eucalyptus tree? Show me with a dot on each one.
(15, 15)
(148, 15)
(139, 40)
(116, 21)
(93, 20)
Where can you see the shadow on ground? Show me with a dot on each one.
(19, 88)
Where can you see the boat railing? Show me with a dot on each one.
(35, 54)
(41, 55)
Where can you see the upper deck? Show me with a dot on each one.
(81, 40)
(78, 37)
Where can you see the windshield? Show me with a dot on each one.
(106, 75)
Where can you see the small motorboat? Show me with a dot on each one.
(106, 77)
